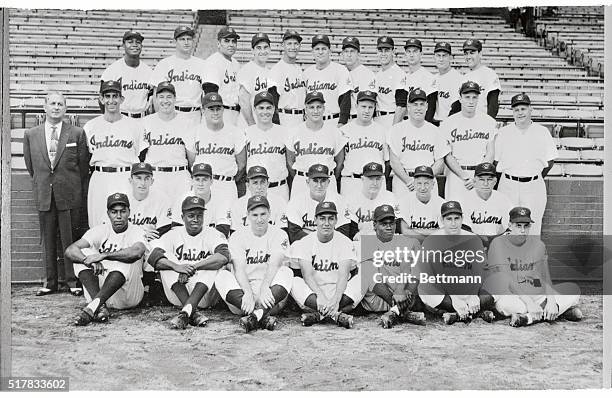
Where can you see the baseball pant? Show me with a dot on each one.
(226, 281)
(300, 187)
(281, 190)
(169, 278)
(101, 185)
(288, 120)
(171, 183)
(350, 187)
(195, 117)
(512, 304)
(455, 189)
(233, 118)
(300, 291)
(530, 194)
(401, 190)
(226, 189)
(372, 302)
(132, 291)
(386, 120)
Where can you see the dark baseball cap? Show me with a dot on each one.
(212, 99)
(141, 168)
(201, 169)
(321, 39)
(227, 32)
(443, 46)
(520, 99)
(318, 170)
(257, 171)
(484, 169)
(384, 211)
(117, 199)
(314, 96)
(469, 87)
(520, 214)
(183, 30)
(166, 86)
(423, 171)
(472, 44)
(264, 96)
(193, 202)
(259, 37)
(417, 94)
(132, 34)
(351, 42)
(110, 85)
(385, 42)
(256, 201)
(414, 43)
(451, 207)
(292, 34)
(325, 208)
(373, 169)
(366, 95)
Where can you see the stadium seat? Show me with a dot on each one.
(556, 171)
(583, 170)
(568, 155)
(576, 143)
(599, 142)
(592, 154)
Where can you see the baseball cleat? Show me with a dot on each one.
(198, 319)
(573, 314)
(487, 316)
(180, 321)
(517, 320)
(248, 323)
(450, 317)
(310, 318)
(388, 319)
(268, 322)
(417, 318)
(102, 314)
(85, 317)
(345, 320)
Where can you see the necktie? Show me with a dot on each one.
(53, 144)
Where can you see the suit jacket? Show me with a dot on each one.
(65, 178)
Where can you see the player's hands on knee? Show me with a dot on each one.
(266, 298)
(535, 310)
(98, 268)
(151, 235)
(185, 269)
(473, 303)
(461, 307)
(93, 258)
(330, 307)
(403, 301)
(183, 278)
(248, 303)
(551, 310)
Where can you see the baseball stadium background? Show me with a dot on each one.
(554, 54)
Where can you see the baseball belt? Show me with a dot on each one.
(187, 108)
(222, 178)
(108, 169)
(292, 111)
(170, 168)
(521, 179)
(385, 113)
(334, 116)
(468, 167)
(301, 173)
(134, 115)
(277, 183)
(232, 108)
(353, 117)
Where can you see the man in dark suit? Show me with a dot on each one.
(57, 158)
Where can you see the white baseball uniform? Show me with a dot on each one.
(420, 78)
(224, 73)
(254, 79)
(217, 209)
(387, 82)
(488, 81)
(267, 149)
(362, 209)
(301, 211)
(419, 215)
(333, 81)
(278, 209)
(291, 90)
(447, 86)
(363, 79)
(135, 84)
(486, 217)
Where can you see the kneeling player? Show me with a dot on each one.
(189, 258)
(325, 259)
(260, 282)
(108, 262)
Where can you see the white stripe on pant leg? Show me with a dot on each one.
(300, 291)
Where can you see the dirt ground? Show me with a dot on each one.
(137, 351)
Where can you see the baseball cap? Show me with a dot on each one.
(257, 171)
(325, 207)
(212, 99)
(384, 211)
(520, 99)
(193, 202)
(469, 87)
(256, 201)
(417, 94)
(413, 43)
(141, 168)
(385, 42)
(166, 86)
(423, 171)
(366, 95)
(351, 42)
(472, 44)
(451, 207)
(201, 169)
(227, 32)
(117, 199)
(520, 214)
(264, 96)
(443, 46)
(373, 169)
(318, 170)
(132, 34)
(110, 85)
(183, 30)
(484, 169)
(314, 96)
(321, 39)
(259, 37)
(292, 34)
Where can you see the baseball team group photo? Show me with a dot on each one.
(307, 199)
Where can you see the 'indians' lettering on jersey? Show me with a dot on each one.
(263, 148)
(364, 143)
(312, 149)
(138, 219)
(257, 257)
(422, 223)
(469, 134)
(416, 145)
(384, 90)
(183, 76)
(212, 148)
(320, 86)
(293, 85)
(369, 215)
(260, 85)
(109, 142)
(484, 218)
(135, 85)
(323, 265)
(107, 247)
(518, 265)
(190, 254)
(163, 140)
(308, 223)
(229, 78)
(443, 94)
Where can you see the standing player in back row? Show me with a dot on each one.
(390, 83)
(447, 81)
(362, 77)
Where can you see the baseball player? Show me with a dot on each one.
(222, 74)
(521, 283)
(115, 143)
(258, 185)
(390, 83)
(332, 80)
(447, 81)
(108, 262)
(189, 259)
(185, 72)
(365, 143)
(171, 147)
(221, 145)
(524, 154)
(470, 135)
(135, 76)
(487, 79)
(217, 214)
(301, 210)
(452, 251)
(421, 208)
(326, 258)
(260, 282)
(362, 77)
(265, 145)
(314, 142)
(290, 82)
(417, 77)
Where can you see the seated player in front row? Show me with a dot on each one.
(189, 258)
(520, 280)
(260, 282)
(108, 262)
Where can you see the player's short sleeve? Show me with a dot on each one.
(497, 256)
(212, 73)
(189, 136)
(164, 216)
(550, 149)
(140, 141)
(243, 77)
(499, 147)
(223, 214)
(290, 140)
(108, 73)
(341, 141)
(280, 243)
(214, 239)
(441, 146)
(95, 236)
(235, 219)
(346, 250)
(239, 140)
(493, 81)
(345, 83)
(236, 245)
(392, 142)
(344, 211)
(301, 249)
(293, 212)
(159, 73)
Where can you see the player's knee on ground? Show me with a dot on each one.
(507, 305)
